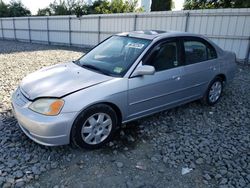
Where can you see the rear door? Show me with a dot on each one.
(151, 93)
(200, 66)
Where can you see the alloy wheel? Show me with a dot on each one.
(215, 91)
(96, 128)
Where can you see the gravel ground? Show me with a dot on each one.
(210, 144)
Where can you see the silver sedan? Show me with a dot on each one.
(126, 77)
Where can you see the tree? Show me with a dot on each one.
(17, 9)
(115, 6)
(161, 5)
(78, 7)
(14, 9)
(64, 7)
(44, 12)
(80, 10)
(4, 9)
(241, 4)
(59, 8)
(120, 6)
(131, 6)
(100, 7)
(75, 6)
(208, 4)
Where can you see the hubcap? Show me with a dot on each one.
(96, 128)
(215, 91)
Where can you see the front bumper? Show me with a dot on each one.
(45, 130)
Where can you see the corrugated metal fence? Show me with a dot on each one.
(229, 28)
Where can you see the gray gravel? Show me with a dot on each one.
(212, 141)
(21, 160)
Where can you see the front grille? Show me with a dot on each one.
(20, 99)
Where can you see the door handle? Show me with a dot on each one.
(176, 77)
(213, 68)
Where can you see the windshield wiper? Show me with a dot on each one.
(88, 66)
(76, 62)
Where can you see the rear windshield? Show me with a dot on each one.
(115, 55)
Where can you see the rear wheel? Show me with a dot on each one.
(214, 91)
(94, 127)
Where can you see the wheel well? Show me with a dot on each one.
(113, 106)
(116, 109)
(222, 76)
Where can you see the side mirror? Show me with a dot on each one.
(143, 70)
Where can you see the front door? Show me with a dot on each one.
(151, 93)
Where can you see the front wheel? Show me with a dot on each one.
(214, 91)
(94, 127)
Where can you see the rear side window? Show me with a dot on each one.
(197, 51)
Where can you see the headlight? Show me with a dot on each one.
(50, 107)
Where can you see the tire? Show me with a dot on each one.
(214, 91)
(94, 127)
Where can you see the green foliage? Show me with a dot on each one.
(78, 7)
(161, 5)
(59, 8)
(209, 4)
(14, 9)
(80, 10)
(242, 4)
(63, 7)
(100, 7)
(119, 6)
(44, 12)
(4, 9)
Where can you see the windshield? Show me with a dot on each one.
(114, 56)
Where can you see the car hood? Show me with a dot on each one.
(59, 80)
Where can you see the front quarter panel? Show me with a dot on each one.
(113, 91)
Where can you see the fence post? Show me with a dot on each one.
(29, 29)
(248, 52)
(99, 29)
(69, 31)
(14, 27)
(47, 19)
(135, 22)
(187, 21)
(2, 28)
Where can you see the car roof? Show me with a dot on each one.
(152, 34)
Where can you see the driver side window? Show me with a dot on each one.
(164, 56)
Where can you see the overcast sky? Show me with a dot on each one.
(34, 5)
